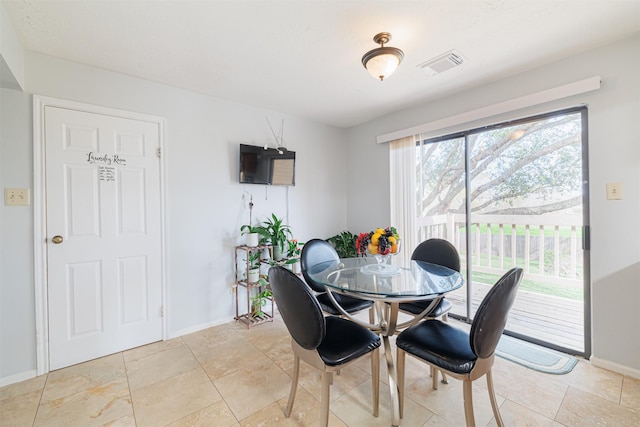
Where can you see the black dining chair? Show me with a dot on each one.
(466, 356)
(325, 343)
(435, 251)
(318, 253)
(441, 252)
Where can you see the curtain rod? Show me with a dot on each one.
(575, 88)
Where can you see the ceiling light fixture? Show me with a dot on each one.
(381, 62)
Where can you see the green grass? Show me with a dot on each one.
(569, 292)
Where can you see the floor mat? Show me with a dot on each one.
(534, 356)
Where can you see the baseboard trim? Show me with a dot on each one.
(197, 328)
(615, 367)
(16, 378)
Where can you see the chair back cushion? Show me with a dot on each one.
(437, 251)
(317, 254)
(491, 317)
(298, 307)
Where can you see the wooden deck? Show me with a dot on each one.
(555, 320)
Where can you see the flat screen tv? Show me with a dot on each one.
(269, 166)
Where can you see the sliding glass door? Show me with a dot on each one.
(510, 195)
(442, 200)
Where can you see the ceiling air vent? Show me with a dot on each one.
(441, 63)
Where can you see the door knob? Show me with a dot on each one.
(57, 239)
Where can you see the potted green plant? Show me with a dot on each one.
(279, 233)
(253, 233)
(294, 250)
(345, 244)
(260, 300)
(253, 275)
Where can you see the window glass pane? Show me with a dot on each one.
(441, 187)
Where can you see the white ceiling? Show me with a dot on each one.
(303, 57)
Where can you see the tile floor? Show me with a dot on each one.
(231, 376)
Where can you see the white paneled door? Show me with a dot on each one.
(103, 220)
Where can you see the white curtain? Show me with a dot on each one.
(402, 157)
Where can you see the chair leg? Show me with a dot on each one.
(434, 372)
(434, 378)
(467, 389)
(494, 402)
(445, 318)
(375, 380)
(400, 361)
(324, 414)
(294, 385)
(372, 315)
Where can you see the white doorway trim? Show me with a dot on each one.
(39, 213)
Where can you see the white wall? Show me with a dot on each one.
(614, 151)
(17, 320)
(11, 55)
(205, 206)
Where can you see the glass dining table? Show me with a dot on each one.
(387, 285)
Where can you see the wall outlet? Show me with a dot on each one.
(16, 197)
(614, 191)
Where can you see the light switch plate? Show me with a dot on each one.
(614, 191)
(17, 197)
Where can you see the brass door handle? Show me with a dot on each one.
(57, 239)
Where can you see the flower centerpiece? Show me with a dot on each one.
(382, 241)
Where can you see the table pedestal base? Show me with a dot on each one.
(393, 383)
(388, 315)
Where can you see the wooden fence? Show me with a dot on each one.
(547, 247)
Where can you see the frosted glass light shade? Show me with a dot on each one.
(382, 66)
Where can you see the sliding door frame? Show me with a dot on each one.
(583, 111)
